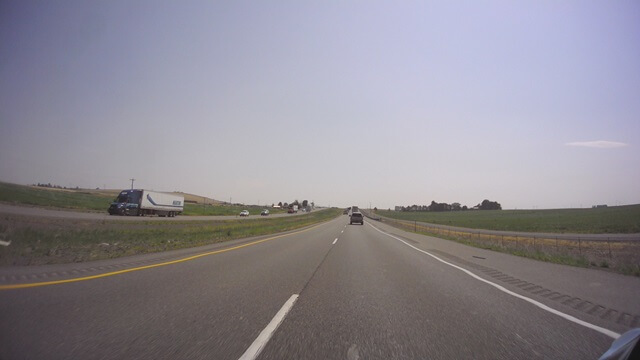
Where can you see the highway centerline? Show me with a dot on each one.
(335, 241)
(573, 319)
(259, 343)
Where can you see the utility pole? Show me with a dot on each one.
(132, 180)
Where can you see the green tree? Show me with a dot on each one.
(489, 205)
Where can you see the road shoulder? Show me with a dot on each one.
(604, 298)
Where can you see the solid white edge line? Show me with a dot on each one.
(335, 241)
(599, 329)
(259, 343)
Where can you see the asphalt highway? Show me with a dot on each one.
(332, 291)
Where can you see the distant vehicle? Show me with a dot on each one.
(264, 212)
(138, 202)
(295, 208)
(346, 211)
(290, 211)
(353, 209)
(244, 213)
(356, 217)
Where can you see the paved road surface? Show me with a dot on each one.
(371, 294)
(79, 215)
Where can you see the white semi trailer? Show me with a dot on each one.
(144, 202)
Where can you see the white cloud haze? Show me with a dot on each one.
(602, 144)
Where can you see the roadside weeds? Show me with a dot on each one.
(536, 254)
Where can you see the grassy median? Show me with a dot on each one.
(50, 241)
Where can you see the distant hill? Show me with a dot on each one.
(109, 193)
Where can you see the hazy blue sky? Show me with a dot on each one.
(339, 102)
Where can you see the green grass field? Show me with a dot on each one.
(610, 220)
(65, 199)
(87, 201)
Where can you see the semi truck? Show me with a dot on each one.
(138, 202)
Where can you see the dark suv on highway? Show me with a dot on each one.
(356, 217)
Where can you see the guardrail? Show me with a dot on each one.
(620, 251)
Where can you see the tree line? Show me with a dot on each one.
(484, 205)
(304, 204)
(54, 186)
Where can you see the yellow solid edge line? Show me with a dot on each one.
(84, 278)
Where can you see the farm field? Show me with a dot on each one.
(609, 220)
(54, 198)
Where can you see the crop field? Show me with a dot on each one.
(609, 220)
(99, 200)
(37, 240)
